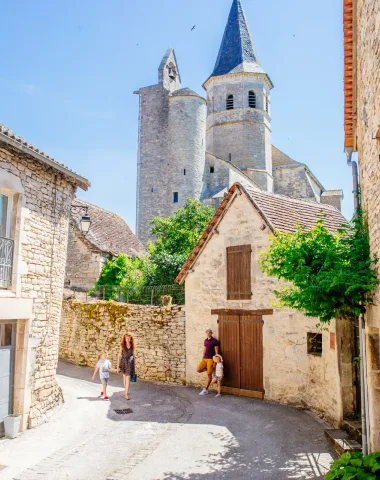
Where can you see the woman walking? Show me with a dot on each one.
(126, 361)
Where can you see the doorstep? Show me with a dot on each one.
(341, 441)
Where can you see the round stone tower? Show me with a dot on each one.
(238, 103)
(186, 144)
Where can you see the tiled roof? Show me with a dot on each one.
(11, 138)
(349, 74)
(237, 52)
(108, 232)
(280, 158)
(279, 213)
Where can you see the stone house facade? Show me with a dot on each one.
(190, 146)
(108, 236)
(362, 135)
(278, 354)
(36, 193)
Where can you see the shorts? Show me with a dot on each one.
(207, 364)
(218, 378)
(104, 381)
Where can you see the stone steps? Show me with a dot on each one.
(341, 441)
(354, 429)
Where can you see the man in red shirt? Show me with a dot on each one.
(211, 348)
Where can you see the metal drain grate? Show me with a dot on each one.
(123, 411)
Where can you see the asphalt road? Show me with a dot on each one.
(172, 433)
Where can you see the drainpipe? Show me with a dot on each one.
(363, 366)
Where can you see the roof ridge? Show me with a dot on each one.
(99, 208)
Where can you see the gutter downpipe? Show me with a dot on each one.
(363, 367)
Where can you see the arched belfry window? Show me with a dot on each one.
(252, 99)
(230, 102)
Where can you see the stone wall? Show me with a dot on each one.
(83, 262)
(291, 375)
(368, 123)
(159, 332)
(41, 206)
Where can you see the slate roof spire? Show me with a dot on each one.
(237, 52)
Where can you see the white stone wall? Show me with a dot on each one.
(368, 123)
(84, 262)
(291, 376)
(87, 329)
(42, 199)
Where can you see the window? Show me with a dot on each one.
(184, 171)
(175, 197)
(314, 343)
(5, 215)
(230, 102)
(212, 169)
(267, 103)
(239, 272)
(252, 99)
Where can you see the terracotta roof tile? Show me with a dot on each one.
(109, 233)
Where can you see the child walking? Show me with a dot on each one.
(103, 366)
(218, 372)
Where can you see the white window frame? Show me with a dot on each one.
(9, 194)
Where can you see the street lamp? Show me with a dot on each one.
(85, 221)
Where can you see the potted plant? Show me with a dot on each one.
(12, 425)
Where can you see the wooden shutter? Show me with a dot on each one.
(239, 272)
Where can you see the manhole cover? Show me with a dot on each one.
(123, 411)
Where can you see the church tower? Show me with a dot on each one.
(238, 103)
(171, 154)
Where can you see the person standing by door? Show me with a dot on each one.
(210, 348)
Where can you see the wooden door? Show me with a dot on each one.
(241, 341)
(229, 339)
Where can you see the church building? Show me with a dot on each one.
(191, 146)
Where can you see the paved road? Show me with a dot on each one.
(172, 434)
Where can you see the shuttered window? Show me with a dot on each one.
(239, 272)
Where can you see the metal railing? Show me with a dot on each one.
(139, 295)
(6, 260)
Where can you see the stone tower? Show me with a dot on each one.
(238, 103)
(171, 156)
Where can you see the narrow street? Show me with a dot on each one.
(173, 433)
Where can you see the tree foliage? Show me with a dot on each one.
(353, 466)
(175, 236)
(329, 275)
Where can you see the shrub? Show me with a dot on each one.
(353, 466)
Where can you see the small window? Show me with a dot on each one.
(252, 99)
(5, 215)
(212, 169)
(230, 157)
(239, 272)
(230, 102)
(267, 103)
(152, 189)
(314, 343)
(184, 171)
(175, 197)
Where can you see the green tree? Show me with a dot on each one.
(176, 236)
(329, 275)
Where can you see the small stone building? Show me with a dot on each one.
(36, 194)
(108, 236)
(362, 135)
(271, 353)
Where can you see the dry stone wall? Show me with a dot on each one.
(87, 329)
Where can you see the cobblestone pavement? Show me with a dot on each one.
(172, 434)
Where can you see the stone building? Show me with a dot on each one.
(108, 236)
(272, 353)
(362, 135)
(190, 146)
(36, 193)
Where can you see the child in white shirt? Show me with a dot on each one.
(103, 366)
(218, 372)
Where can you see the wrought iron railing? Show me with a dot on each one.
(6, 260)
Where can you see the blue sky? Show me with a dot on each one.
(69, 69)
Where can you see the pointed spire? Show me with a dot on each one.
(237, 52)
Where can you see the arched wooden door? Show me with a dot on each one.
(241, 342)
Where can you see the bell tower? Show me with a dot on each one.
(238, 103)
